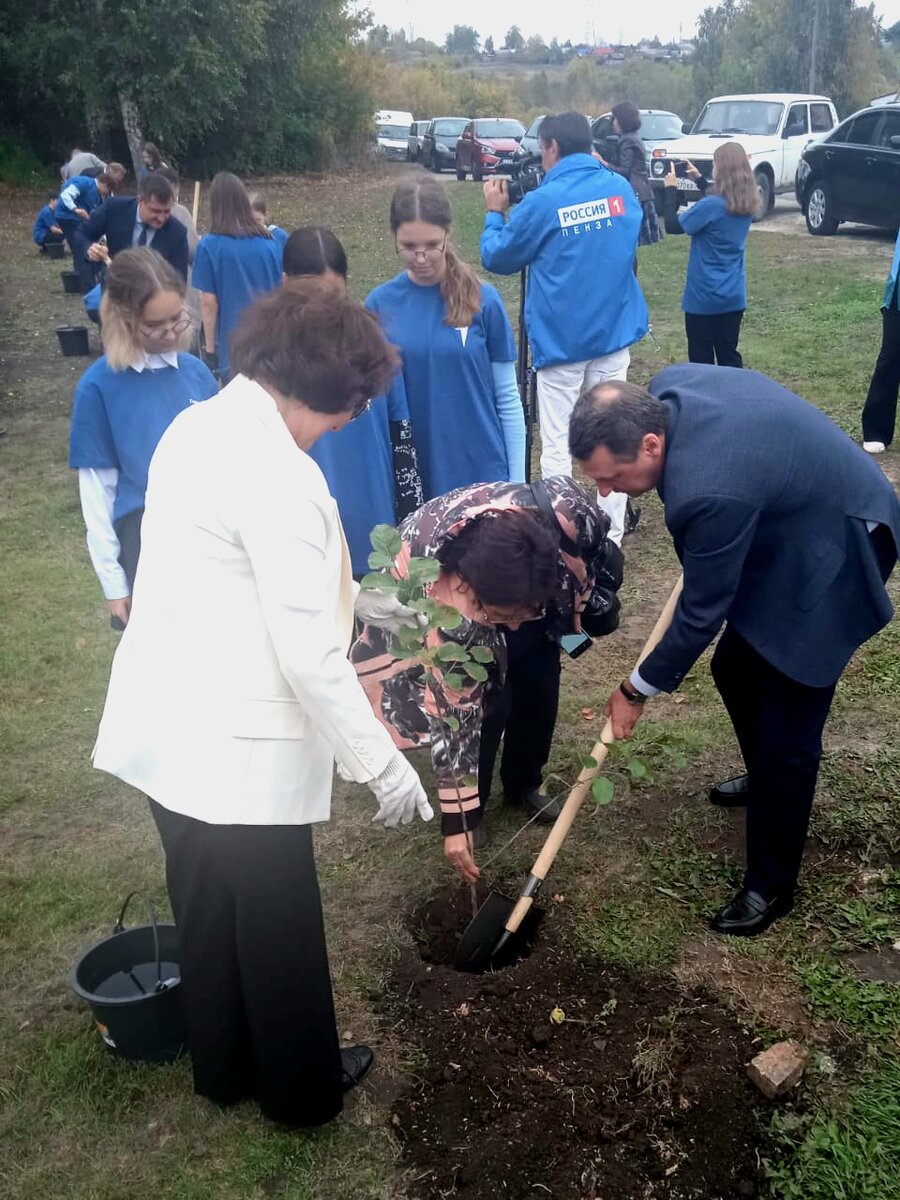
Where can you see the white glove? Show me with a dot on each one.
(399, 794)
(385, 611)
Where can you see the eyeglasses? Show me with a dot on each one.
(156, 333)
(359, 408)
(426, 252)
(499, 616)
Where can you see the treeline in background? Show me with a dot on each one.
(260, 86)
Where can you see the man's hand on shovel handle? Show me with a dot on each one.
(458, 852)
(624, 716)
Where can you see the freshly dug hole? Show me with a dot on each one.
(567, 1078)
(438, 924)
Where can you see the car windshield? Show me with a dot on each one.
(660, 127)
(499, 129)
(534, 127)
(394, 132)
(739, 116)
(449, 128)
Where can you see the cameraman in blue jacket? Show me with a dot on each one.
(578, 233)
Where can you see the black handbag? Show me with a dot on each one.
(600, 615)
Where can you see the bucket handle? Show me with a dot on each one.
(119, 928)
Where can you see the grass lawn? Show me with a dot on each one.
(637, 877)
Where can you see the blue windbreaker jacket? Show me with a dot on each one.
(578, 234)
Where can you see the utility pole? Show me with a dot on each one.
(814, 45)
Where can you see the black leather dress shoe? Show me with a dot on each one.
(356, 1062)
(749, 914)
(536, 804)
(732, 793)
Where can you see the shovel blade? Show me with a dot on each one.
(478, 945)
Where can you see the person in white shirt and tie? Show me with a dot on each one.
(231, 697)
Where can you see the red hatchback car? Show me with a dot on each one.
(487, 145)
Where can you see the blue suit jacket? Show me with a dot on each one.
(767, 502)
(116, 218)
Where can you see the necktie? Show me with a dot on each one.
(142, 240)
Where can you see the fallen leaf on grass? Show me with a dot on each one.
(463, 1010)
(559, 898)
(557, 1016)
(678, 700)
(588, 714)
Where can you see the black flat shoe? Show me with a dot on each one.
(749, 914)
(731, 793)
(356, 1062)
(632, 518)
(537, 805)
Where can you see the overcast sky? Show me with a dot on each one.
(578, 20)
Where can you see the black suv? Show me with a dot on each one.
(439, 142)
(854, 173)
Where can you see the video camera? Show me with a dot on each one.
(526, 174)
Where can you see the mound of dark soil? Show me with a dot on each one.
(574, 1080)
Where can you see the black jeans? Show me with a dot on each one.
(522, 713)
(255, 983)
(128, 531)
(880, 411)
(713, 338)
(779, 724)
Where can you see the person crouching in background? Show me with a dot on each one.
(715, 290)
(46, 231)
(260, 206)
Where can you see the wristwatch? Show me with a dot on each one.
(632, 695)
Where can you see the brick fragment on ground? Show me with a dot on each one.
(776, 1070)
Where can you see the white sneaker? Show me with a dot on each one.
(873, 447)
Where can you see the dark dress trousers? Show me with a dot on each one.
(116, 218)
(787, 531)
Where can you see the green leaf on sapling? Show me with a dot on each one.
(450, 652)
(451, 723)
(386, 539)
(469, 781)
(475, 671)
(447, 616)
(637, 769)
(456, 683)
(376, 582)
(588, 762)
(602, 790)
(482, 654)
(424, 570)
(378, 560)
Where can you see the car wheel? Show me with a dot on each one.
(766, 195)
(819, 220)
(460, 173)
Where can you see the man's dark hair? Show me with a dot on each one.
(313, 250)
(509, 559)
(315, 345)
(169, 174)
(154, 186)
(628, 115)
(570, 130)
(617, 416)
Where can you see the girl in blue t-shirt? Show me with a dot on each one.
(369, 465)
(123, 405)
(715, 290)
(457, 346)
(236, 262)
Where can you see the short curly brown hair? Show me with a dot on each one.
(314, 345)
(628, 115)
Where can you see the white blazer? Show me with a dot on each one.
(231, 693)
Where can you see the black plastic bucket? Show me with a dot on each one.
(132, 983)
(55, 249)
(73, 340)
(71, 283)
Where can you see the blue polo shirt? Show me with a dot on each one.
(448, 381)
(716, 279)
(85, 193)
(236, 270)
(43, 223)
(118, 418)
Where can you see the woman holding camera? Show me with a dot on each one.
(715, 290)
(524, 565)
(457, 347)
(123, 405)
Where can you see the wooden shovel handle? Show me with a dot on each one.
(563, 823)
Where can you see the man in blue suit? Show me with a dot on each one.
(787, 533)
(129, 221)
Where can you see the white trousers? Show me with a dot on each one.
(557, 389)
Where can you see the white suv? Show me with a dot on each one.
(772, 127)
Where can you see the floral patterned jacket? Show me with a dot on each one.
(413, 709)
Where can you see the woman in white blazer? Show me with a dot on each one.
(231, 696)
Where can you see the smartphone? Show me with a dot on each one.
(575, 644)
(681, 169)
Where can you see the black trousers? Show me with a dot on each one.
(128, 531)
(713, 338)
(522, 713)
(880, 411)
(779, 725)
(254, 967)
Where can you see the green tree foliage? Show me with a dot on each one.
(514, 39)
(462, 40)
(489, 45)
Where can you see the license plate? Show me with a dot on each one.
(687, 185)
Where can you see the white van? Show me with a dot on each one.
(392, 133)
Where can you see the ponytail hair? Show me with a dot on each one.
(419, 197)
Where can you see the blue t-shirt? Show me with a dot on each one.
(358, 465)
(43, 222)
(84, 191)
(236, 270)
(448, 381)
(118, 418)
(716, 278)
(280, 236)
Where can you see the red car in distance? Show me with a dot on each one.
(486, 145)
